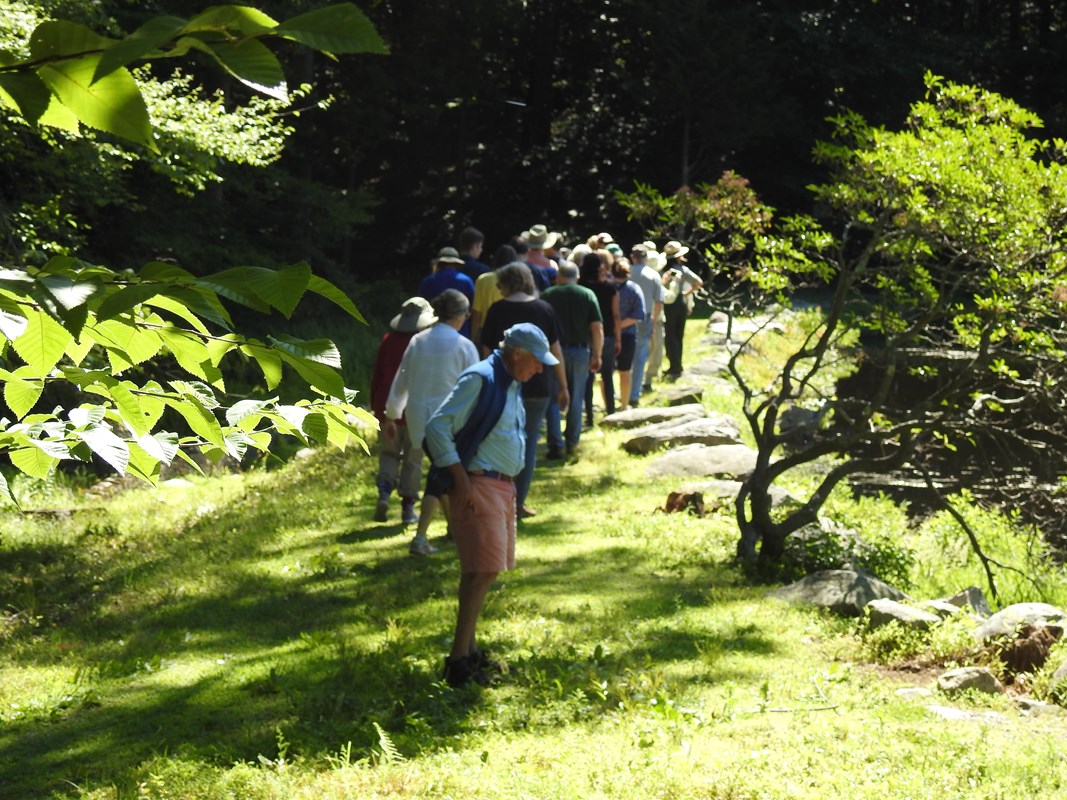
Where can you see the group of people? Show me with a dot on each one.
(462, 376)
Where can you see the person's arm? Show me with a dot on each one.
(596, 332)
(398, 396)
(563, 396)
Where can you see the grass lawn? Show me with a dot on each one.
(258, 636)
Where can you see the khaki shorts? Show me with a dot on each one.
(485, 535)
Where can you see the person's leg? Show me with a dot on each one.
(388, 468)
(622, 367)
(655, 354)
(589, 399)
(420, 543)
(674, 329)
(473, 587)
(535, 412)
(576, 366)
(553, 429)
(607, 374)
(642, 345)
(410, 477)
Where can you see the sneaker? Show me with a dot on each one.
(459, 672)
(421, 547)
(381, 511)
(646, 388)
(408, 514)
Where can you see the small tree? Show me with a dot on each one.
(90, 326)
(944, 246)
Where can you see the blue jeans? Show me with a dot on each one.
(535, 412)
(576, 367)
(552, 418)
(644, 343)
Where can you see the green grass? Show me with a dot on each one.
(257, 636)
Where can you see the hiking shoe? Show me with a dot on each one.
(408, 514)
(421, 547)
(460, 672)
(554, 454)
(381, 511)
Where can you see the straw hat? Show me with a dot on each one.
(448, 255)
(674, 250)
(415, 315)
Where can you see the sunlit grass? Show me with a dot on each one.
(257, 636)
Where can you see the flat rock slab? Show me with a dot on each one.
(717, 364)
(683, 394)
(638, 417)
(716, 429)
(883, 611)
(842, 591)
(979, 679)
(701, 460)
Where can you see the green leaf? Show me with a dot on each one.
(232, 285)
(142, 464)
(108, 446)
(192, 356)
(21, 396)
(323, 287)
(199, 301)
(324, 378)
(340, 28)
(126, 298)
(43, 342)
(86, 416)
(13, 320)
(5, 490)
(281, 289)
(254, 65)
(112, 104)
(201, 421)
(150, 36)
(315, 427)
(128, 407)
(162, 446)
(269, 361)
(245, 409)
(133, 343)
(201, 392)
(322, 351)
(219, 346)
(26, 93)
(32, 461)
(244, 20)
(237, 443)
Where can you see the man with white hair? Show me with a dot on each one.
(648, 280)
(477, 441)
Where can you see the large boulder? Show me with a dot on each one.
(1006, 622)
(683, 394)
(972, 597)
(842, 591)
(699, 460)
(647, 415)
(716, 429)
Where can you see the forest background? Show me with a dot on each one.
(501, 114)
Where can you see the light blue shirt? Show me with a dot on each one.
(503, 450)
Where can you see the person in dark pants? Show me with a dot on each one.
(596, 276)
(680, 283)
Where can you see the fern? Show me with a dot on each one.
(389, 753)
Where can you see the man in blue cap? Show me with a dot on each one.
(477, 440)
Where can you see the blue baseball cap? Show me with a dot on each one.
(527, 336)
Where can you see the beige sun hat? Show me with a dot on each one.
(415, 315)
(448, 255)
(537, 236)
(674, 250)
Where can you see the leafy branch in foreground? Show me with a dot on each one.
(74, 76)
(60, 319)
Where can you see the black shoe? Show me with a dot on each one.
(461, 671)
(554, 454)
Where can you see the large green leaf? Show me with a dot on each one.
(192, 355)
(26, 93)
(243, 20)
(269, 361)
(128, 406)
(245, 409)
(32, 461)
(196, 300)
(126, 298)
(103, 441)
(134, 344)
(201, 421)
(143, 464)
(323, 287)
(322, 351)
(232, 285)
(150, 36)
(22, 395)
(43, 342)
(113, 104)
(162, 446)
(13, 320)
(340, 28)
(281, 289)
(254, 65)
(319, 376)
(59, 38)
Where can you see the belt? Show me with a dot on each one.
(496, 476)
(574, 346)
